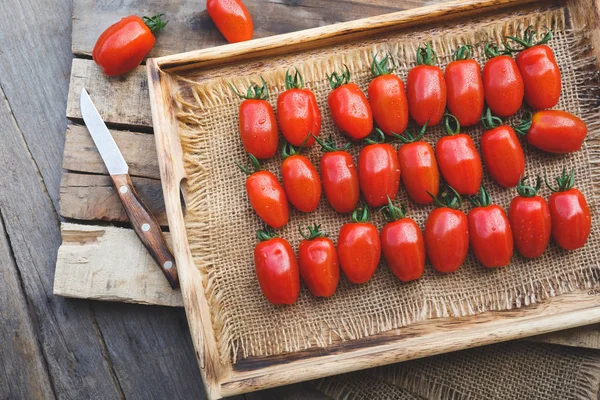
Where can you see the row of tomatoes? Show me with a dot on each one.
(448, 234)
(534, 76)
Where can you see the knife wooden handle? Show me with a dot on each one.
(146, 227)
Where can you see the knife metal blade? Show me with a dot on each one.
(143, 222)
(115, 163)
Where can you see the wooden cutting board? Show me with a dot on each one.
(106, 261)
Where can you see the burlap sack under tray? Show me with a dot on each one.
(221, 224)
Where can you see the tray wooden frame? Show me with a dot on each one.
(419, 340)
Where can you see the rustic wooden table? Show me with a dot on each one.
(56, 347)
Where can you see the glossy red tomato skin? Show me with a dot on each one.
(465, 91)
(447, 239)
(530, 223)
(503, 155)
(556, 131)
(420, 172)
(359, 251)
(258, 128)
(232, 19)
(301, 183)
(319, 266)
(427, 93)
(123, 46)
(378, 173)
(571, 219)
(541, 77)
(299, 116)
(503, 86)
(389, 103)
(459, 163)
(340, 181)
(404, 249)
(490, 235)
(351, 111)
(268, 199)
(277, 271)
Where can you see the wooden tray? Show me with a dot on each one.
(418, 340)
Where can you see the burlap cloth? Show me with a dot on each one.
(513, 370)
(221, 224)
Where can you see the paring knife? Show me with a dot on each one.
(143, 221)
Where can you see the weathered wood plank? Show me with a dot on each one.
(191, 28)
(111, 264)
(93, 197)
(121, 101)
(34, 77)
(586, 336)
(24, 374)
(138, 149)
(66, 330)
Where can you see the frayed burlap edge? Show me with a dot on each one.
(303, 336)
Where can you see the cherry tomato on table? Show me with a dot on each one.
(378, 171)
(387, 97)
(349, 107)
(232, 19)
(257, 124)
(502, 152)
(123, 46)
(318, 262)
(502, 82)
(359, 247)
(529, 218)
(458, 159)
(297, 111)
(301, 180)
(340, 179)
(447, 233)
(266, 195)
(489, 230)
(426, 89)
(420, 172)
(540, 72)
(276, 268)
(553, 131)
(465, 87)
(569, 212)
(402, 244)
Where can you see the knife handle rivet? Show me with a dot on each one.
(145, 227)
(168, 264)
(123, 189)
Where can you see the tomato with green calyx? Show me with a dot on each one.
(378, 171)
(465, 87)
(276, 268)
(458, 159)
(490, 234)
(257, 124)
(529, 218)
(359, 247)
(538, 67)
(553, 131)
(420, 172)
(502, 82)
(349, 107)
(301, 180)
(339, 176)
(387, 97)
(318, 262)
(502, 152)
(298, 112)
(402, 244)
(569, 212)
(426, 88)
(266, 195)
(447, 232)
